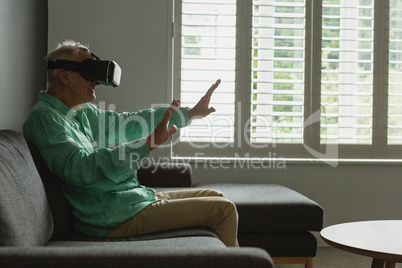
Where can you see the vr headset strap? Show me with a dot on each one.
(64, 64)
(67, 64)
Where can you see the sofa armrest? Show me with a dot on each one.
(89, 257)
(166, 175)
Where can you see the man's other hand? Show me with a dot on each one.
(161, 133)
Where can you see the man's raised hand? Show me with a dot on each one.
(202, 109)
(161, 133)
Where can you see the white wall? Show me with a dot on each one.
(135, 33)
(23, 35)
(132, 33)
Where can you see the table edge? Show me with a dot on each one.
(368, 253)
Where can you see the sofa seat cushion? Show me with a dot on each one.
(181, 232)
(291, 244)
(102, 257)
(271, 207)
(184, 242)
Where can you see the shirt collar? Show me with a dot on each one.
(57, 104)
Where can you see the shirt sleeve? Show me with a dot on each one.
(75, 159)
(126, 127)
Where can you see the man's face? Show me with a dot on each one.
(81, 89)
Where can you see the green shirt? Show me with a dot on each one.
(97, 176)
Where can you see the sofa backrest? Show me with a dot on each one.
(165, 175)
(63, 219)
(25, 215)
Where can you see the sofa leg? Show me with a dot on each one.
(307, 261)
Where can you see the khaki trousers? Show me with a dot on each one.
(185, 208)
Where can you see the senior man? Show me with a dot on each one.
(78, 143)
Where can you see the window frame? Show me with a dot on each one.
(378, 151)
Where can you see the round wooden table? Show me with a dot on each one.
(381, 240)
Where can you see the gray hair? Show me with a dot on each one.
(66, 50)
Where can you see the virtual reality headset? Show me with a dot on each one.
(105, 72)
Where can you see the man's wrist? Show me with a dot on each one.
(191, 113)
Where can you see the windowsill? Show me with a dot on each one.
(293, 161)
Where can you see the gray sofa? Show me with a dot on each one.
(36, 227)
(272, 218)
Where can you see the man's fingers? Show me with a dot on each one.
(174, 105)
(172, 130)
(209, 111)
(167, 116)
(169, 112)
(213, 87)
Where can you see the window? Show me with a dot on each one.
(299, 77)
(395, 74)
(208, 48)
(347, 72)
(278, 72)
